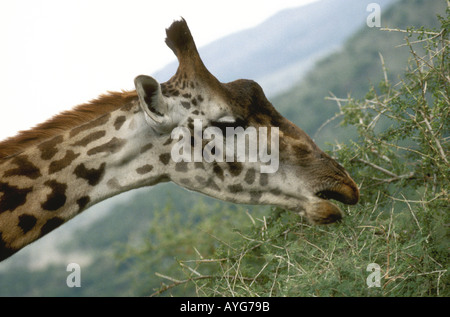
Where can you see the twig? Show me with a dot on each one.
(396, 178)
(411, 31)
(385, 171)
(384, 68)
(191, 279)
(435, 35)
(436, 140)
(326, 123)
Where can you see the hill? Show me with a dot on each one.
(353, 68)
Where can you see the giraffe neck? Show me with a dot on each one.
(49, 183)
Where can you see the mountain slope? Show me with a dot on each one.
(352, 69)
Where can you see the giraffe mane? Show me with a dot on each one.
(64, 121)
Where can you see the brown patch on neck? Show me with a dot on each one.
(65, 121)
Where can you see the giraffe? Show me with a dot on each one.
(122, 140)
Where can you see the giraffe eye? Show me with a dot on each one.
(228, 121)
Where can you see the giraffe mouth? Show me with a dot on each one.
(330, 194)
(346, 194)
(323, 211)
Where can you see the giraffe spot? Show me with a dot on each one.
(24, 168)
(191, 123)
(185, 181)
(127, 107)
(187, 95)
(165, 158)
(113, 183)
(235, 188)
(51, 225)
(58, 165)
(57, 198)
(200, 179)
(218, 171)
(235, 168)
(195, 112)
(194, 102)
(263, 179)
(168, 141)
(119, 122)
(255, 196)
(48, 148)
(5, 252)
(27, 222)
(12, 197)
(146, 147)
(91, 175)
(275, 191)
(144, 169)
(113, 146)
(90, 138)
(90, 125)
(82, 202)
(181, 167)
(250, 176)
(198, 165)
(200, 98)
(212, 185)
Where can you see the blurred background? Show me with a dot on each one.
(57, 54)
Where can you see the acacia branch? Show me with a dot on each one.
(436, 140)
(379, 168)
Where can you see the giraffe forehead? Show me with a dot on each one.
(214, 103)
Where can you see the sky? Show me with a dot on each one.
(57, 54)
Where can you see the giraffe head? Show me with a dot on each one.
(228, 141)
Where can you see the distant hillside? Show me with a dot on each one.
(353, 68)
(278, 52)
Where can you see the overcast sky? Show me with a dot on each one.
(57, 54)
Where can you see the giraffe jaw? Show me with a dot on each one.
(322, 211)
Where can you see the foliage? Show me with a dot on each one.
(400, 160)
(352, 68)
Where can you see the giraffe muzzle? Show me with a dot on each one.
(323, 211)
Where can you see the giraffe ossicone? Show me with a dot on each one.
(124, 140)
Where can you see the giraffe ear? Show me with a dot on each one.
(151, 99)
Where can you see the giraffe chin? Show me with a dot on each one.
(323, 212)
